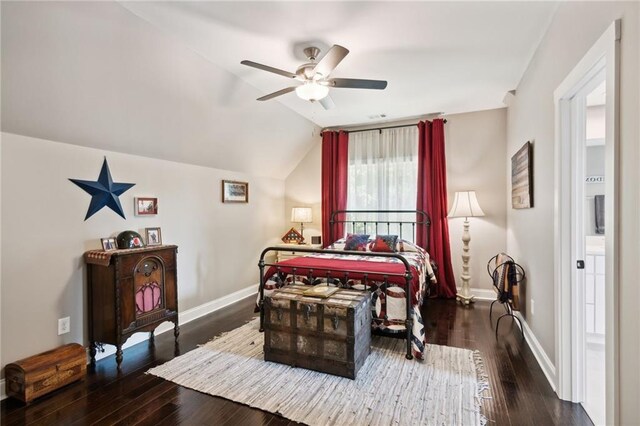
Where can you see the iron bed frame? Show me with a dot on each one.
(336, 276)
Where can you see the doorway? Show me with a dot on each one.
(588, 119)
(586, 193)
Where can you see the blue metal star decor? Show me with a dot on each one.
(104, 191)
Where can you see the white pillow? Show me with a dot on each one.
(406, 246)
(337, 245)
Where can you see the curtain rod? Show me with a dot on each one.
(380, 129)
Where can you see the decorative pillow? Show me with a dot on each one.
(356, 242)
(384, 244)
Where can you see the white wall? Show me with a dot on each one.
(303, 188)
(475, 149)
(45, 235)
(94, 74)
(574, 29)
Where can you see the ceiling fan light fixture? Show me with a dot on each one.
(314, 77)
(312, 91)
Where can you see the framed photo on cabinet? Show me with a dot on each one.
(154, 236)
(108, 244)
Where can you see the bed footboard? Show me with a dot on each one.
(341, 277)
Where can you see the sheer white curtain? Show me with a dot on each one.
(383, 170)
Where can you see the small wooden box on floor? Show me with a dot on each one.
(331, 335)
(40, 374)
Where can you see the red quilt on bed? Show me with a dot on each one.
(374, 271)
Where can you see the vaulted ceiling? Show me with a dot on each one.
(437, 56)
(164, 80)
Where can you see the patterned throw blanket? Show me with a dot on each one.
(383, 276)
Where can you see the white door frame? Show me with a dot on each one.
(605, 51)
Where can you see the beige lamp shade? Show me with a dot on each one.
(301, 215)
(465, 204)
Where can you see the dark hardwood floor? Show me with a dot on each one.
(520, 393)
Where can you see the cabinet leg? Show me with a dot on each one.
(176, 334)
(92, 352)
(152, 339)
(119, 356)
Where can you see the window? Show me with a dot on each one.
(383, 170)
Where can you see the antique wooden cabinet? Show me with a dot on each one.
(130, 291)
(332, 335)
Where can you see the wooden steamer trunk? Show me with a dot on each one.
(40, 374)
(331, 335)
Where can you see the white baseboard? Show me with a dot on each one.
(482, 294)
(206, 308)
(184, 318)
(545, 363)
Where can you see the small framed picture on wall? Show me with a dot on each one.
(235, 192)
(146, 206)
(154, 236)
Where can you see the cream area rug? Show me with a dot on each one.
(444, 389)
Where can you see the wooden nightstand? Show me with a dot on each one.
(284, 255)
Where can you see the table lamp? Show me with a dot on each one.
(302, 215)
(465, 204)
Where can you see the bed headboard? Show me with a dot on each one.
(403, 223)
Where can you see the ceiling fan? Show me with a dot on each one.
(314, 77)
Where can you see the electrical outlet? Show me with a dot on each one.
(64, 325)
(532, 305)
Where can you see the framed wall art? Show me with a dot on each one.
(522, 178)
(154, 236)
(146, 206)
(235, 192)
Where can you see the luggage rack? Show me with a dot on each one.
(514, 275)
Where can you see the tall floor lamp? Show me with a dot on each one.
(465, 204)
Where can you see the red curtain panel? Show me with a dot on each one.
(335, 161)
(432, 198)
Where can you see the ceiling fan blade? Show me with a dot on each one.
(276, 94)
(327, 102)
(356, 83)
(330, 61)
(268, 68)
